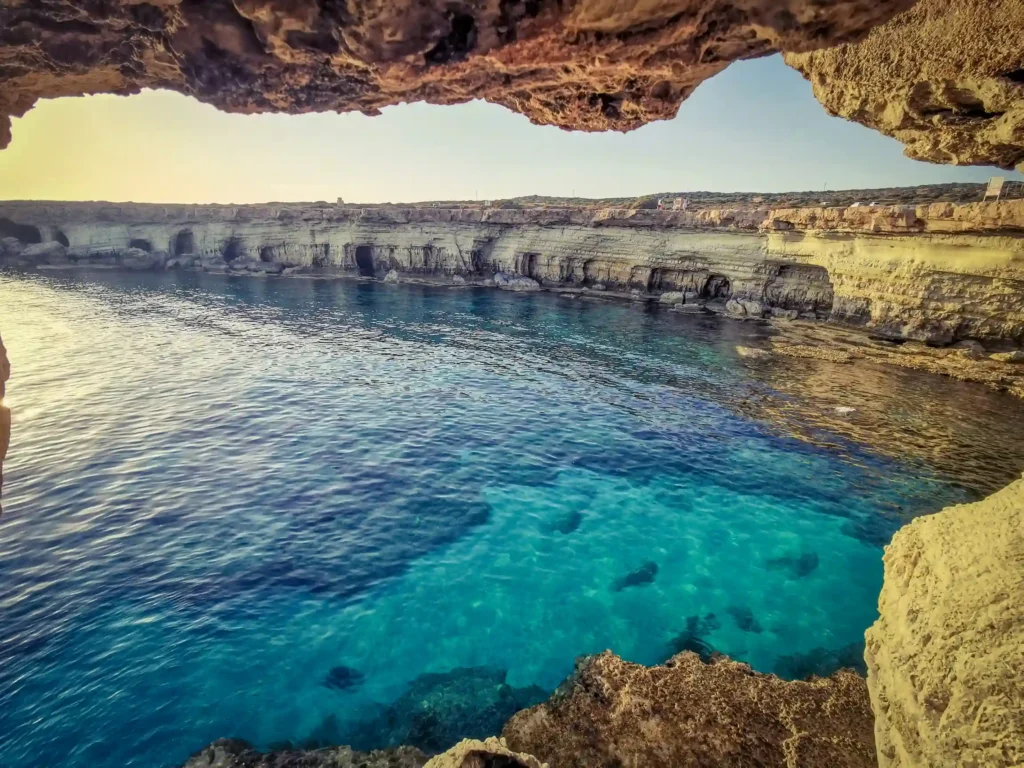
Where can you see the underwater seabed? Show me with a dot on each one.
(319, 512)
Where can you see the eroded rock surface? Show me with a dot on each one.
(945, 77)
(946, 656)
(234, 753)
(613, 713)
(933, 273)
(580, 64)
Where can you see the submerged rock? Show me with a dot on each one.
(612, 713)
(692, 638)
(342, 678)
(821, 662)
(569, 523)
(642, 576)
(744, 618)
(798, 566)
(439, 709)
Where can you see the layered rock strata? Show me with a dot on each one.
(946, 656)
(937, 273)
(584, 64)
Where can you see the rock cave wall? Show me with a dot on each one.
(937, 274)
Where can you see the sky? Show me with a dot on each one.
(755, 127)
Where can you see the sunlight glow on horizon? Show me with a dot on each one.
(754, 128)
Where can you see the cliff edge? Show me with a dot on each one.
(946, 656)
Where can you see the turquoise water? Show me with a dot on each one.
(220, 489)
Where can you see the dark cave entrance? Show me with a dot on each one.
(530, 266)
(717, 287)
(61, 238)
(23, 232)
(184, 242)
(143, 245)
(267, 253)
(232, 249)
(364, 260)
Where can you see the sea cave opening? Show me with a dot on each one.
(716, 288)
(23, 232)
(184, 242)
(141, 244)
(232, 249)
(364, 260)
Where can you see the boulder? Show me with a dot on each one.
(752, 352)
(744, 308)
(392, 276)
(784, 314)
(509, 282)
(971, 349)
(11, 246)
(45, 253)
(1017, 356)
(458, 280)
(138, 259)
(672, 297)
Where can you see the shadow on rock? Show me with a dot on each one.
(440, 709)
(822, 662)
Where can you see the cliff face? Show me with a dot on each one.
(945, 77)
(936, 273)
(946, 656)
(584, 64)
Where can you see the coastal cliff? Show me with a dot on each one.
(946, 656)
(936, 273)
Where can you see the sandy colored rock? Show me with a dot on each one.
(945, 77)
(490, 753)
(585, 64)
(687, 713)
(946, 656)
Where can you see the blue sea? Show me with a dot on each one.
(288, 510)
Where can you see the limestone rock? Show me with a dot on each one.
(490, 753)
(612, 713)
(753, 352)
(235, 753)
(945, 77)
(672, 297)
(138, 259)
(392, 276)
(45, 253)
(946, 655)
(744, 308)
(11, 246)
(1017, 356)
(936, 273)
(586, 65)
(515, 282)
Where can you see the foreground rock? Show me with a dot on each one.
(945, 77)
(583, 65)
(235, 753)
(946, 656)
(687, 713)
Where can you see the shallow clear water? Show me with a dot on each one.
(219, 489)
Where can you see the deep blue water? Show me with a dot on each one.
(219, 489)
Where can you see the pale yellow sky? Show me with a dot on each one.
(754, 127)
